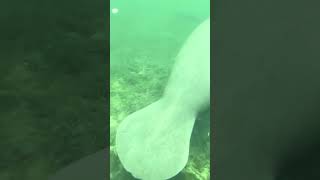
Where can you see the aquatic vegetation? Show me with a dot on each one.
(135, 85)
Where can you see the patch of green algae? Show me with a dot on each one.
(134, 86)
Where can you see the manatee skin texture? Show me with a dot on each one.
(153, 143)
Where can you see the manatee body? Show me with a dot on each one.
(153, 143)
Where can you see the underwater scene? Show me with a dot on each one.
(145, 39)
(52, 85)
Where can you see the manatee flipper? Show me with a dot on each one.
(153, 143)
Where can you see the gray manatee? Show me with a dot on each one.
(153, 143)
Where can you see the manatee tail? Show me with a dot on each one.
(153, 143)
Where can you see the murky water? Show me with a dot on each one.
(145, 38)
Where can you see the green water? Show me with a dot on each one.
(156, 28)
(145, 37)
(52, 85)
(53, 76)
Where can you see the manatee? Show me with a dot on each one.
(153, 142)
